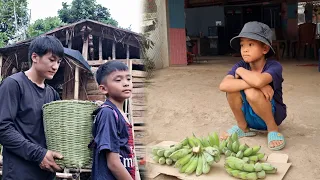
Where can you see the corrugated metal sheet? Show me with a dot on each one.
(176, 13)
(178, 51)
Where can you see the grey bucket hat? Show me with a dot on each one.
(257, 31)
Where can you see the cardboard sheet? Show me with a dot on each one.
(217, 170)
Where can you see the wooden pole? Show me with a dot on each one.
(113, 50)
(128, 64)
(76, 74)
(100, 49)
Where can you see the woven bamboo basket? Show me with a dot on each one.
(67, 125)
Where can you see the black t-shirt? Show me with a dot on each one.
(21, 127)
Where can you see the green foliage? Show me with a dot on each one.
(7, 19)
(85, 9)
(41, 26)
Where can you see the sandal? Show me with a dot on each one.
(276, 136)
(240, 133)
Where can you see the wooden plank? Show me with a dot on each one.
(113, 50)
(138, 100)
(139, 108)
(136, 73)
(138, 103)
(138, 97)
(138, 113)
(139, 128)
(138, 85)
(138, 120)
(138, 91)
(138, 80)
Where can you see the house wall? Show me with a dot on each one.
(177, 34)
(199, 19)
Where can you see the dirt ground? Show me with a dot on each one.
(182, 100)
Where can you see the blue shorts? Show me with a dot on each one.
(253, 120)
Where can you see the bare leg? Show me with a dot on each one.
(263, 109)
(235, 103)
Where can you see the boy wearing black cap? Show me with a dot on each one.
(254, 86)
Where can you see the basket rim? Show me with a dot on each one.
(70, 101)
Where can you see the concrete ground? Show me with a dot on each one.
(182, 100)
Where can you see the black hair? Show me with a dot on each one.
(109, 67)
(44, 44)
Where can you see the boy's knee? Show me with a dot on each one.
(253, 94)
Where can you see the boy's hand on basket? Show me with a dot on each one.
(267, 92)
(48, 162)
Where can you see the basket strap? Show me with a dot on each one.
(114, 111)
(92, 143)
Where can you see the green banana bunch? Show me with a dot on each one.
(169, 161)
(185, 141)
(200, 165)
(267, 167)
(222, 146)
(184, 167)
(243, 147)
(234, 137)
(205, 142)
(241, 169)
(233, 161)
(214, 139)
(179, 154)
(248, 152)
(209, 159)
(193, 165)
(205, 166)
(212, 151)
(169, 151)
(184, 160)
(235, 146)
(239, 154)
(217, 158)
(197, 141)
(162, 160)
(160, 152)
(155, 150)
(191, 142)
(156, 158)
